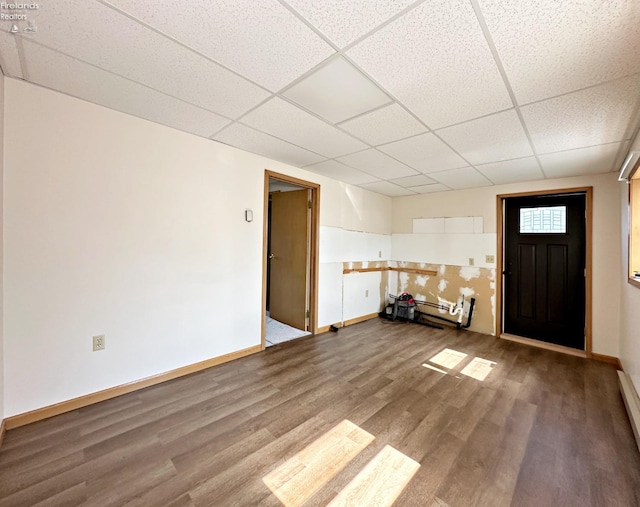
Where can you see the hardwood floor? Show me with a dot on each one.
(359, 417)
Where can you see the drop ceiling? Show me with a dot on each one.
(395, 96)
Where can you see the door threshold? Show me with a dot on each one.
(544, 345)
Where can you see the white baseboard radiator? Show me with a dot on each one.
(632, 402)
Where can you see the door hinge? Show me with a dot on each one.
(307, 314)
(310, 204)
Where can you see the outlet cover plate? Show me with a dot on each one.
(98, 342)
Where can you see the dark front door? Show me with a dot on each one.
(544, 268)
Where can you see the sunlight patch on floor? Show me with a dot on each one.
(426, 365)
(302, 476)
(380, 482)
(448, 358)
(478, 369)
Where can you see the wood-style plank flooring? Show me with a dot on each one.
(377, 413)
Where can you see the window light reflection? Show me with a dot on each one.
(379, 483)
(448, 358)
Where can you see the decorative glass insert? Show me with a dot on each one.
(547, 220)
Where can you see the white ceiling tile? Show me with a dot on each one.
(549, 47)
(9, 58)
(436, 60)
(429, 189)
(341, 172)
(467, 177)
(512, 171)
(413, 181)
(489, 139)
(374, 162)
(59, 72)
(263, 40)
(592, 160)
(116, 43)
(344, 22)
(384, 125)
(286, 121)
(386, 188)
(337, 91)
(425, 152)
(430, 56)
(589, 117)
(251, 140)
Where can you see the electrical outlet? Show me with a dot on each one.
(472, 262)
(379, 254)
(98, 342)
(490, 259)
(366, 293)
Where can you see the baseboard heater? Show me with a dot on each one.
(632, 402)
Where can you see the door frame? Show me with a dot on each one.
(500, 202)
(314, 245)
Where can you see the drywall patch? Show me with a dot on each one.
(403, 281)
(467, 292)
(450, 285)
(469, 272)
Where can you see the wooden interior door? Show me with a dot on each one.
(544, 272)
(289, 258)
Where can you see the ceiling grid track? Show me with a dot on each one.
(401, 98)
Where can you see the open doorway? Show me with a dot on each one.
(290, 258)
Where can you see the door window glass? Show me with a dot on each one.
(543, 220)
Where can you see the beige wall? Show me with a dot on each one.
(118, 226)
(606, 236)
(630, 303)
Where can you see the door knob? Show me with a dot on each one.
(271, 256)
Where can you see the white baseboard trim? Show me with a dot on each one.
(632, 402)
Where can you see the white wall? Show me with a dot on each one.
(2, 392)
(120, 226)
(630, 303)
(606, 236)
(350, 295)
(451, 249)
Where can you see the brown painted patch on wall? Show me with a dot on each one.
(450, 283)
